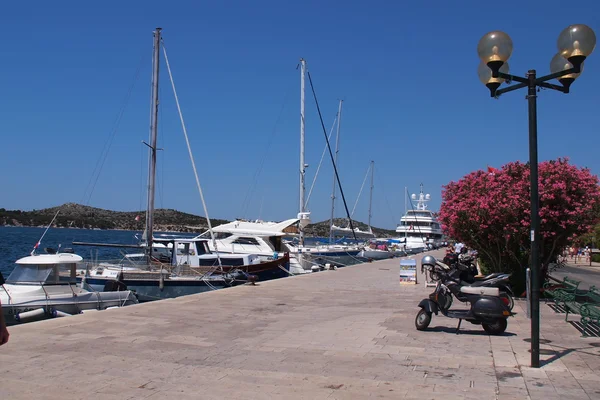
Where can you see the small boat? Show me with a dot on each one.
(377, 250)
(44, 286)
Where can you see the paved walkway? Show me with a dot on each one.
(345, 334)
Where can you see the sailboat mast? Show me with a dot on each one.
(405, 209)
(152, 145)
(302, 163)
(371, 194)
(337, 149)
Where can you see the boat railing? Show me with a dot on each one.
(7, 294)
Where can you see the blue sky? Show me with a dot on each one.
(406, 70)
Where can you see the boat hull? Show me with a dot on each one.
(153, 289)
(71, 305)
(376, 255)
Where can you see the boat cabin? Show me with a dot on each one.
(47, 269)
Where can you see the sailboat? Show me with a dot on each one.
(337, 231)
(176, 266)
(377, 249)
(306, 254)
(269, 238)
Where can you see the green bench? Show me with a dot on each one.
(588, 308)
(562, 288)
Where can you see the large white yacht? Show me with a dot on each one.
(267, 239)
(419, 228)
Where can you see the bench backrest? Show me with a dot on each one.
(593, 295)
(570, 283)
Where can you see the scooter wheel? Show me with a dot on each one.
(423, 320)
(495, 328)
(507, 300)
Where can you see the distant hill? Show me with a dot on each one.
(79, 216)
(166, 220)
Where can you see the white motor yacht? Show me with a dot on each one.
(44, 286)
(419, 229)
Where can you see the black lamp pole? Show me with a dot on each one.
(496, 47)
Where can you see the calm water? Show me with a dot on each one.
(18, 242)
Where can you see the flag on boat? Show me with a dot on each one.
(37, 245)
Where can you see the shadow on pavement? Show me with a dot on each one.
(465, 331)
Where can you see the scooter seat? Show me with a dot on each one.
(486, 277)
(483, 291)
(441, 264)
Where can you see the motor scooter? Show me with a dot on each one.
(486, 307)
(463, 267)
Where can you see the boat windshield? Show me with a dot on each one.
(31, 273)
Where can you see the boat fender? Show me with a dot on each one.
(252, 279)
(315, 268)
(58, 314)
(32, 315)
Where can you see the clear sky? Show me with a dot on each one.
(406, 70)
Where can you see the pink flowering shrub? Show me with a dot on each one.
(490, 212)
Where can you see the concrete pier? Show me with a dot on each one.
(344, 334)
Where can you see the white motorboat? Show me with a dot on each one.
(44, 286)
(419, 229)
(377, 250)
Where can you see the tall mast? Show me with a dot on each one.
(371, 195)
(337, 149)
(152, 145)
(302, 163)
(405, 210)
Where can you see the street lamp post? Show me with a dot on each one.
(575, 43)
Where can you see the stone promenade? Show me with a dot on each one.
(344, 334)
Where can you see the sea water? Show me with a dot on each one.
(18, 242)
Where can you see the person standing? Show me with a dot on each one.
(3, 331)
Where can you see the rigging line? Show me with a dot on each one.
(141, 177)
(44, 234)
(187, 141)
(320, 162)
(252, 188)
(337, 176)
(392, 215)
(160, 182)
(109, 141)
(361, 189)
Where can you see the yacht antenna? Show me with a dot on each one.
(44, 234)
